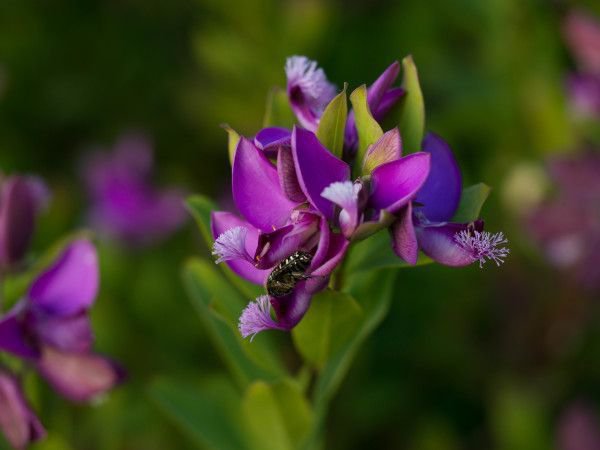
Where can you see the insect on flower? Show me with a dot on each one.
(287, 273)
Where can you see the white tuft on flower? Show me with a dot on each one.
(231, 245)
(483, 245)
(256, 317)
(307, 76)
(342, 193)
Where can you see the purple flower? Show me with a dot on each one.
(21, 199)
(425, 224)
(579, 428)
(51, 330)
(567, 226)
(18, 423)
(125, 204)
(308, 89)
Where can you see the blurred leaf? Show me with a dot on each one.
(367, 127)
(332, 125)
(247, 361)
(412, 109)
(232, 141)
(202, 412)
(331, 320)
(278, 416)
(376, 252)
(201, 207)
(520, 419)
(471, 202)
(278, 112)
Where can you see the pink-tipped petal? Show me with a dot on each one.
(256, 190)
(18, 423)
(396, 183)
(387, 149)
(316, 168)
(70, 285)
(438, 241)
(223, 221)
(80, 377)
(345, 194)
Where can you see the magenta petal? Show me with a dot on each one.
(404, 237)
(272, 137)
(396, 183)
(221, 222)
(18, 206)
(441, 192)
(12, 336)
(388, 101)
(377, 90)
(71, 284)
(80, 377)
(291, 308)
(256, 191)
(336, 251)
(316, 168)
(18, 423)
(439, 243)
(287, 176)
(320, 255)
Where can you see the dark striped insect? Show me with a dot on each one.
(287, 273)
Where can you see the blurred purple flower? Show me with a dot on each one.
(578, 428)
(50, 327)
(125, 204)
(21, 199)
(18, 423)
(568, 226)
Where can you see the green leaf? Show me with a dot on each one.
(278, 416)
(201, 207)
(367, 127)
(331, 320)
(376, 252)
(233, 138)
(278, 112)
(412, 109)
(471, 202)
(332, 125)
(210, 415)
(246, 360)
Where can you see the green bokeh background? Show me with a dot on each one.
(466, 359)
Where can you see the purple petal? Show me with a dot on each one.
(269, 139)
(396, 183)
(71, 284)
(18, 206)
(441, 192)
(308, 89)
(223, 221)
(18, 423)
(382, 84)
(320, 255)
(316, 168)
(584, 93)
(388, 101)
(336, 251)
(438, 241)
(256, 185)
(13, 338)
(346, 195)
(291, 308)
(302, 234)
(582, 32)
(387, 149)
(404, 237)
(80, 377)
(287, 176)
(72, 334)
(579, 428)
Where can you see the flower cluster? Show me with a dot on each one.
(302, 208)
(49, 328)
(582, 33)
(125, 205)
